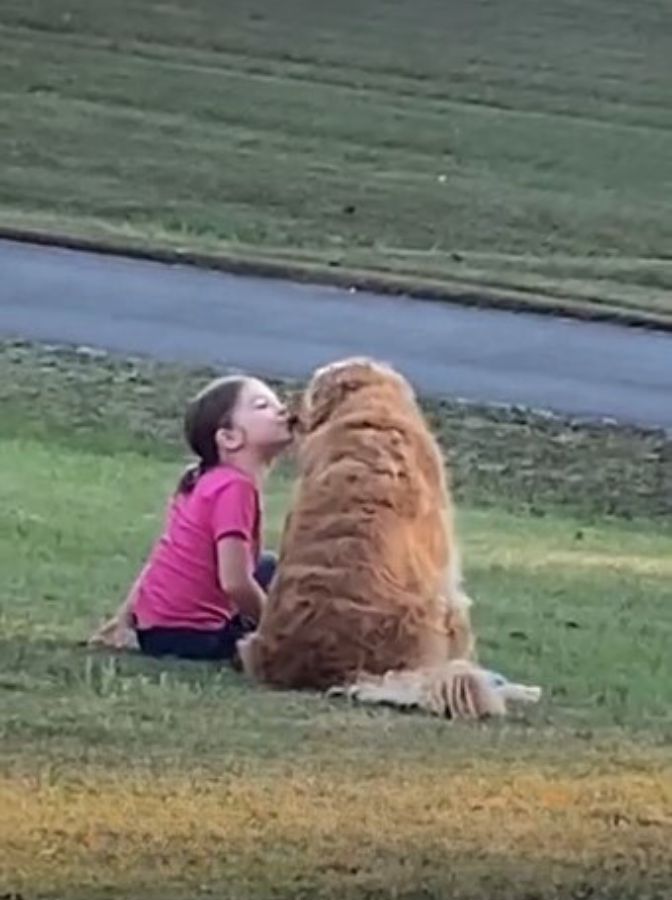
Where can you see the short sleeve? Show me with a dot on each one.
(235, 511)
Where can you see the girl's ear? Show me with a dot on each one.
(229, 440)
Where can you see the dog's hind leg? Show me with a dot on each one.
(402, 690)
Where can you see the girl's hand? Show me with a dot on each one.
(235, 579)
(115, 634)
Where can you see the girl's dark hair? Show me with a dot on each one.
(210, 410)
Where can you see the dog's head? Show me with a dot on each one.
(333, 385)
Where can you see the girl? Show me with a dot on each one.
(204, 584)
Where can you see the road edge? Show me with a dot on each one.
(421, 289)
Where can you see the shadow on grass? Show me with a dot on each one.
(520, 838)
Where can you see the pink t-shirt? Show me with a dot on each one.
(179, 586)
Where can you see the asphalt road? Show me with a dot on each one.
(269, 327)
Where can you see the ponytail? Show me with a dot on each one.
(189, 477)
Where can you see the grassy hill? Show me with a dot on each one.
(516, 148)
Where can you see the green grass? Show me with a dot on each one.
(496, 147)
(126, 778)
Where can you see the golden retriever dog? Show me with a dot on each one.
(369, 576)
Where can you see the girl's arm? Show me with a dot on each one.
(235, 578)
(118, 632)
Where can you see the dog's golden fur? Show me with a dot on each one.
(368, 578)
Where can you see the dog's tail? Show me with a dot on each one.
(454, 690)
(460, 690)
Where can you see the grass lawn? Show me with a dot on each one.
(130, 779)
(520, 146)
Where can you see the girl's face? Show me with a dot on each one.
(260, 419)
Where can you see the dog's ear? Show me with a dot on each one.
(325, 399)
(296, 412)
(332, 384)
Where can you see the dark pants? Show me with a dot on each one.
(190, 643)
